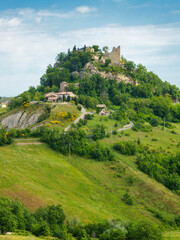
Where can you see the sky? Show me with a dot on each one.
(33, 32)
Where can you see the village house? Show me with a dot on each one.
(4, 104)
(102, 110)
(61, 95)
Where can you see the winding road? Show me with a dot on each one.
(83, 113)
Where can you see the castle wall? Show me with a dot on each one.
(115, 55)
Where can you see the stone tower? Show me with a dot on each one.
(115, 55)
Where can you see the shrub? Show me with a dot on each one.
(154, 139)
(154, 122)
(79, 107)
(127, 199)
(89, 116)
(113, 234)
(126, 148)
(5, 137)
(99, 132)
(134, 129)
(114, 132)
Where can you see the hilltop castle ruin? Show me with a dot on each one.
(115, 55)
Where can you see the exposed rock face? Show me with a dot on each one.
(21, 120)
(90, 69)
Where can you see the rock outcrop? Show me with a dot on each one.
(90, 69)
(21, 119)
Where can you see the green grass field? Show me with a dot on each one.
(165, 139)
(172, 235)
(14, 237)
(4, 110)
(69, 107)
(90, 190)
(109, 124)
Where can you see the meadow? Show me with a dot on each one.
(4, 110)
(90, 190)
(172, 235)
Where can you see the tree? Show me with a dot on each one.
(99, 132)
(32, 90)
(74, 48)
(130, 66)
(7, 221)
(154, 122)
(113, 234)
(107, 62)
(105, 48)
(96, 48)
(143, 231)
(61, 57)
(51, 214)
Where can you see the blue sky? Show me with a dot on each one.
(33, 32)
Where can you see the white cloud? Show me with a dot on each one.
(27, 49)
(13, 22)
(85, 9)
(28, 13)
(47, 13)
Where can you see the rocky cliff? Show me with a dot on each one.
(90, 69)
(21, 119)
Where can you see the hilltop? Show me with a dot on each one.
(100, 136)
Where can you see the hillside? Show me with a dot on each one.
(105, 145)
(88, 194)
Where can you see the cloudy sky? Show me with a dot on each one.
(33, 32)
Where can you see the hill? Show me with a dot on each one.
(121, 158)
(90, 190)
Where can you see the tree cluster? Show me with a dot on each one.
(50, 221)
(75, 141)
(165, 169)
(47, 221)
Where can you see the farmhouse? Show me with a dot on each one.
(4, 104)
(101, 109)
(61, 95)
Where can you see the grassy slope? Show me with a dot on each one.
(4, 110)
(38, 176)
(175, 235)
(90, 190)
(69, 107)
(109, 124)
(7, 237)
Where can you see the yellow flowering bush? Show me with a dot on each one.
(24, 105)
(62, 118)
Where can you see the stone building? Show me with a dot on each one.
(102, 110)
(4, 104)
(63, 85)
(115, 55)
(61, 95)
